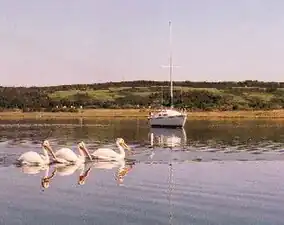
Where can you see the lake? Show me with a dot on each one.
(210, 172)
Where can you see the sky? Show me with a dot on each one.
(70, 41)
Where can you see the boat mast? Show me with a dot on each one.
(171, 65)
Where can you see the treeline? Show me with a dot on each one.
(147, 83)
(243, 95)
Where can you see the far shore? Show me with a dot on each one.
(140, 114)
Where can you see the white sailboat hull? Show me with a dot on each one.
(172, 121)
(168, 117)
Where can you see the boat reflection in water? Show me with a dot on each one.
(167, 137)
(122, 166)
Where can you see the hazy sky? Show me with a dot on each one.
(85, 41)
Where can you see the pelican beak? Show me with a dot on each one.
(126, 146)
(47, 147)
(85, 150)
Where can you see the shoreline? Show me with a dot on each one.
(140, 114)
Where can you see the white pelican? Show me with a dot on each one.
(34, 159)
(109, 154)
(67, 156)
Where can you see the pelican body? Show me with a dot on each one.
(109, 154)
(32, 158)
(67, 156)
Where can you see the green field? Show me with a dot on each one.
(194, 96)
(238, 96)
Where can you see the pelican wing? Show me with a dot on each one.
(30, 158)
(105, 153)
(66, 154)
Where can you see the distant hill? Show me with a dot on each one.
(243, 95)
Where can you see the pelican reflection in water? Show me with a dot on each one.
(85, 172)
(59, 169)
(122, 166)
(33, 170)
(85, 169)
(45, 181)
(68, 170)
(122, 171)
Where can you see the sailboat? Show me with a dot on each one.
(168, 117)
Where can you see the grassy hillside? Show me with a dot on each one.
(109, 94)
(189, 97)
(195, 96)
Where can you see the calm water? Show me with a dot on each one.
(208, 173)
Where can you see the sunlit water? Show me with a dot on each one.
(208, 173)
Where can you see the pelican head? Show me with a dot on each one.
(122, 143)
(46, 143)
(47, 146)
(83, 148)
(82, 145)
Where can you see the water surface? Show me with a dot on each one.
(225, 172)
